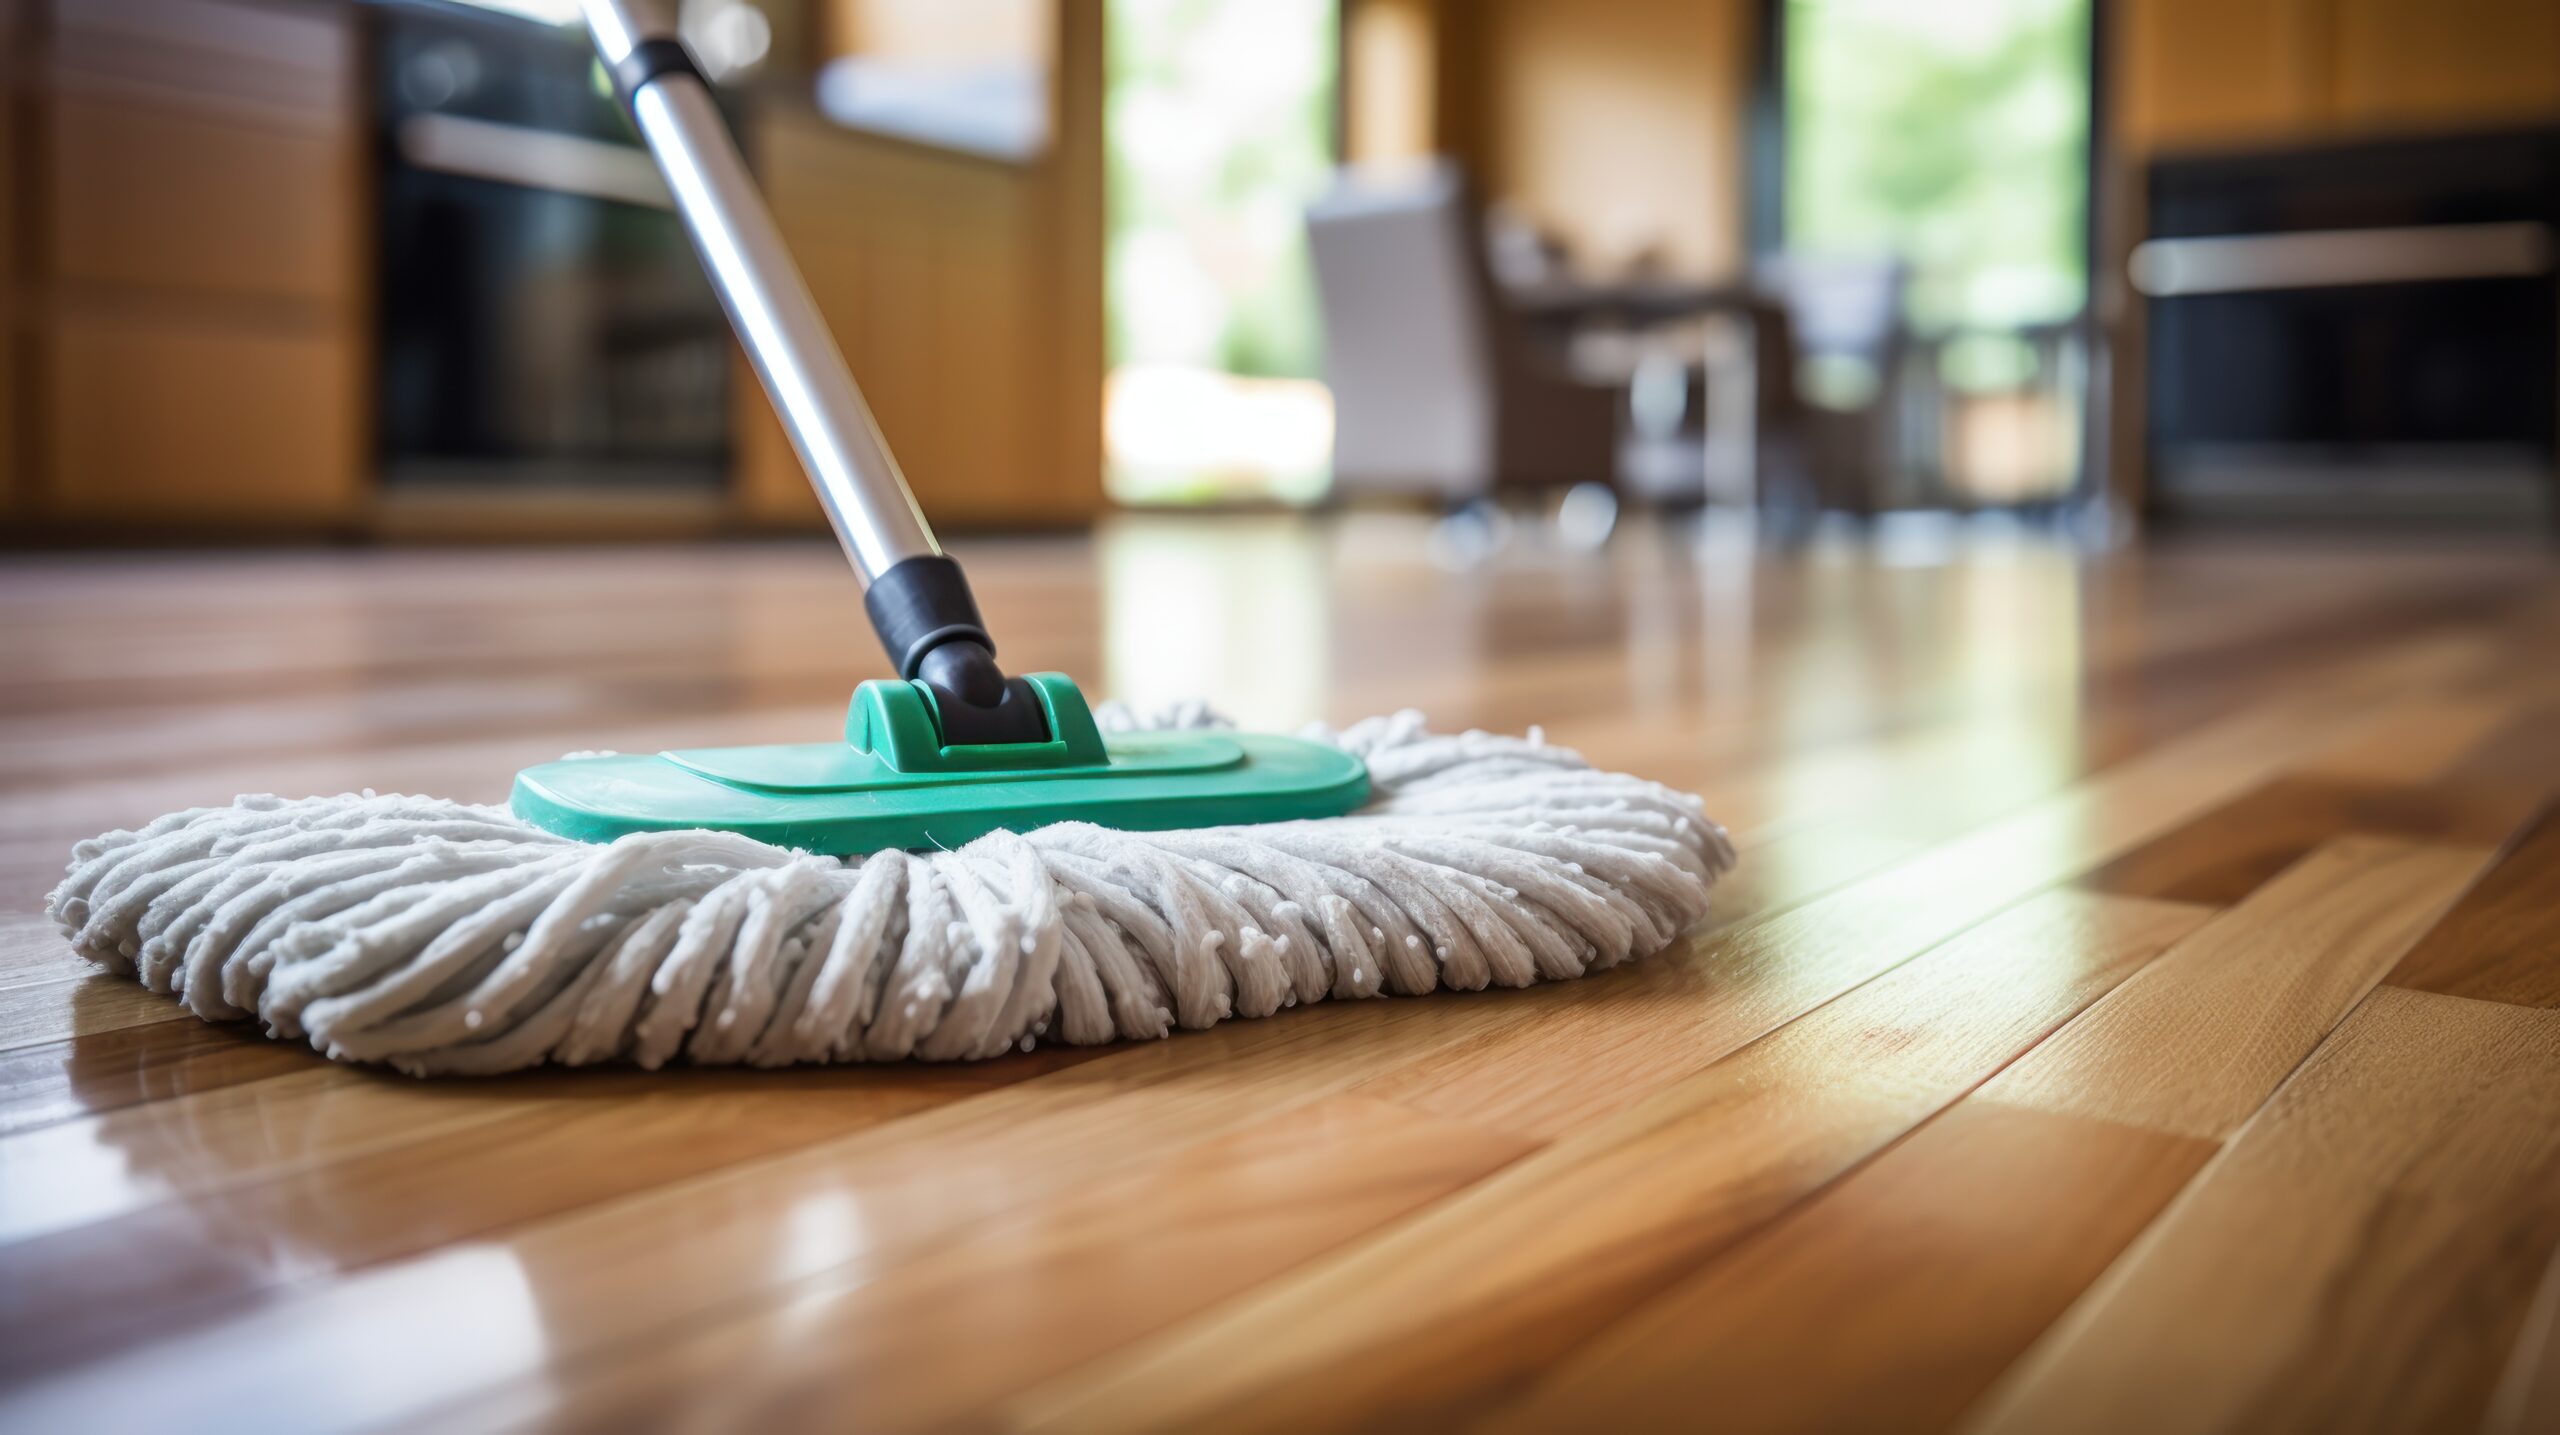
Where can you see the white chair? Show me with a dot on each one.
(1439, 392)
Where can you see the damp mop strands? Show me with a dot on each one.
(440, 937)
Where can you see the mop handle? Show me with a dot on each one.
(831, 428)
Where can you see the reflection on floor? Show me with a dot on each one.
(2137, 963)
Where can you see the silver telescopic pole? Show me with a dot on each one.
(839, 443)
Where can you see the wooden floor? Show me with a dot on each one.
(2138, 1008)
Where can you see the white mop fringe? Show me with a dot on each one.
(439, 937)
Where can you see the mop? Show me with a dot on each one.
(983, 862)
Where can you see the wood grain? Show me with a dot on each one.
(111, 1163)
(1892, 1301)
(2362, 1257)
(2497, 942)
(626, 1272)
(39, 1012)
(2200, 1040)
(1511, 1272)
(32, 953)
(59, 1080)
(198, 353)
(1837, 1161)
(170, 1266)
(1741, 983)
(2528, 1395)
(1032, 1295)
(2224, 855)
(2010, 1203)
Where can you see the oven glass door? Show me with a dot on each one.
(544, 323)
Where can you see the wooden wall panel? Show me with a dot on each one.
(966, 295)
(1617, 123)
(945, 31)
(1390, 80)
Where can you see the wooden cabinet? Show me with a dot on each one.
(2446, 63)
(2209, 73)
(192, 308)
(156, 195)
(189, 323)
(2219, 71)
(14, 438)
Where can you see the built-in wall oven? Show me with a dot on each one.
(543, 323)
(2367, 329)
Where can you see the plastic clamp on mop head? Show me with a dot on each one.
(951, 752)
(928, 621)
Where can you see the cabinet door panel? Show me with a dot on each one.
(160, 198)
(2410, 64)
(164, 420)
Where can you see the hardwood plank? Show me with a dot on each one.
(1026, 1297)
(2362, 1256)
(81, 1006)
(666, 1255)
(2196, 1043)
(2520, 756)
(1790, 870)
(2435, 736)
(1803, 955)
(2499, 941)
(89, 1290)
(1891, 1302)
(1440, 1313)
(32, 953)
(2224, 855)
(2008, 1205)
(1902, 908)
(1903, 751)
(2528, 1394)
(2190, 772)
(60, 1080)
(117, 1162)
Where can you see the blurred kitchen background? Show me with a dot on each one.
(395, 268)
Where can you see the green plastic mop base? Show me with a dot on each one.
(892, 783)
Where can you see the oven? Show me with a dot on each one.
(2366, 329)
(543, 322)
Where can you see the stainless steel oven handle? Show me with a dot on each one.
(531, 159)
(866, 498)
(2334, 258)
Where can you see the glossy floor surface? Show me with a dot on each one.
(2138, 1008)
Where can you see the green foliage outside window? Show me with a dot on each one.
(1219, 129)
(1953, 133)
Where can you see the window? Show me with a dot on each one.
(1219, 129)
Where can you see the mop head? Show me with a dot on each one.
(440, 937)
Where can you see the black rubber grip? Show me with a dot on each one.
(921, 604)
(653, 59)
